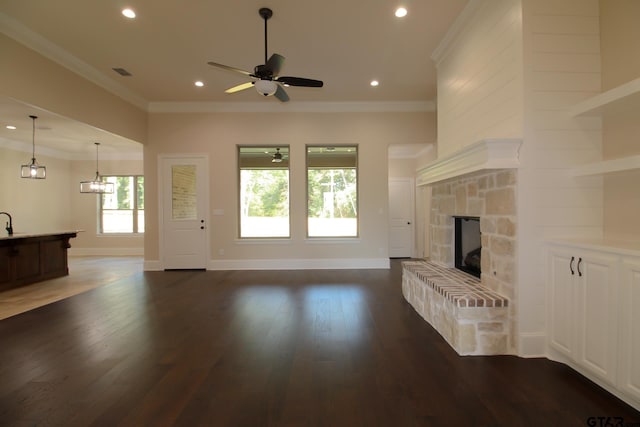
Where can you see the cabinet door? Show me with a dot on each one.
(561, 301)
(630, 328)
(597, 314)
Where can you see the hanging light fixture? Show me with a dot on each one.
(33, 170)
(97, 186)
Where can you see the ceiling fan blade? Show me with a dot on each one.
(238, 88)
(299, 81)
(226, 67)
(274, 64)
(281, 94)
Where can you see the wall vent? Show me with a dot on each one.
(122, 72)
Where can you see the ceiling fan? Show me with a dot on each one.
(266, 76)
(277, 156)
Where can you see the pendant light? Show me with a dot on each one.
(97, 186)
(33, 170)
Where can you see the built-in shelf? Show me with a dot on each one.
(608, 166)
(482, 155)
(625, 97)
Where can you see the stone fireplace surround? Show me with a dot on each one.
(481, 181)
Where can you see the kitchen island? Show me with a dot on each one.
(30, 258)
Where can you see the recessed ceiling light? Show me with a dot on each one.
(199, 83)
(374, 83)
(401, 12)
(129, 13)
(11, 127)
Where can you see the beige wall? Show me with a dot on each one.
(217, 136)
(36, 205)
(33, 79)
(480, 78)
(619, 35)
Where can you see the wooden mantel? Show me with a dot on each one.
(482, 155)
(30, 258)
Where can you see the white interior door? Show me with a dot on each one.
(184, 202)
(401, 217)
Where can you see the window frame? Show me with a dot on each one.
(268, 148)
(135, 209)
(357, 169)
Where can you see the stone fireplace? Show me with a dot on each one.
(479, 182)
(489, 196)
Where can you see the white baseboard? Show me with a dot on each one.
(532, 345)
(105, 251)
(300, 264)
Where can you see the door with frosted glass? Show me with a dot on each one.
(184, 197)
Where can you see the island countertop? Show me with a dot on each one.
(27, 258)
(21, 235)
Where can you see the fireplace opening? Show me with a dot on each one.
(468, 244)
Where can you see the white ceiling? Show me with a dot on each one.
(166, 48)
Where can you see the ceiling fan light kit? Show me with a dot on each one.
(266, 76)
(266, 87)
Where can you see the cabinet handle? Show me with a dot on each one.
(571, 265)
(579, 271)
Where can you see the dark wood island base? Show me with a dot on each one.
(31, 258)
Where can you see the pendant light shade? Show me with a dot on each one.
(33, 170)
(97, 186)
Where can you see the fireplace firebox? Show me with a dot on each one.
(468, 244)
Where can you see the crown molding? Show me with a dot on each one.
(22, 34)
(293, 107)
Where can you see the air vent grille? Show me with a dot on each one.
(122, 72)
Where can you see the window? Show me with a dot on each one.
(332, 191)
(123, 211)
(264, 191)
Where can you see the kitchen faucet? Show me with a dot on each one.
(9, 226)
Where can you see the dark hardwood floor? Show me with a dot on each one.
(281, 348)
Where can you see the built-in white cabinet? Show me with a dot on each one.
(629, 378)
(583, 311)
(594, 313)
